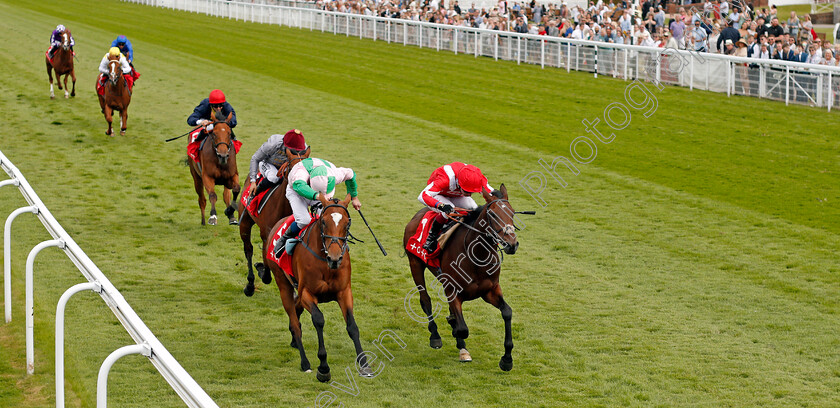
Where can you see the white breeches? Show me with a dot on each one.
(300, 207)
(269, 171)
(466, 203)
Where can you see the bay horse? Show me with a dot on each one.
(321, 264)
(62, 63)
(470, 268)
(216, 167)
(275, 208)
(116, 97)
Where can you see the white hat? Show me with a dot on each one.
(728, 42)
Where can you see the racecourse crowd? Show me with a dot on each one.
(715, 26)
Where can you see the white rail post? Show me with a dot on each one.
(374, 29)
(787, 84)
(518, 48)
(455, 34)
(542, 54)
(596, 61)
(59, 336)
(7, 256)
(626, 52)
(388, 31)
(405, 34)
(102, 380)
(728, 79)
(475, 44)
(437, 43)
(830, 100)
(360, 27)
(569, 57)
(691, 71)
(30, 302)
(420, 35)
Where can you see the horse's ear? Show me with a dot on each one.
(346, 200)
(230, 116)
(307, 152)
(486, 194)
(503, 189)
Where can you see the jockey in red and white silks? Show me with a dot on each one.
(450, 186)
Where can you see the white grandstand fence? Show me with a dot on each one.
(791, 82)
(145, 342)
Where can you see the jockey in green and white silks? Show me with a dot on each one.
(308, 179)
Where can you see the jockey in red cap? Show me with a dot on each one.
(449, 190)
(270, 156)
(201, 115)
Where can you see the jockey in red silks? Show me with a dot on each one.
(449, 189)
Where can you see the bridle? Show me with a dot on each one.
(216, 145)
(343, 241)
(495, 235)
(65, 43)
(114, 75)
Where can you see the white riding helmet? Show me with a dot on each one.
(60, 28)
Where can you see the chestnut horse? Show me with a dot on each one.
(470, 268)
(62, 63)
(116, 98)
(321, 264)
(216, 167)
(273, 210)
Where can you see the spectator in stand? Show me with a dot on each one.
(753, 48)
(677, 29)
(778, 51)
(741, 50)
(728, 35)
(761, 28)
(764, 53)
(735, 18)
(813, 57)
(699, 37)
(801, 55)
(724, 8)
(670, 41)
(775, 30)
(828, 58)
(793, 24)
(729, 47)
(805, 31)
(714, 45)
(788, 54)
(659, 17)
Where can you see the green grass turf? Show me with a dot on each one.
(692, 263)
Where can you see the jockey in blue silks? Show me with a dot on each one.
(125, 48)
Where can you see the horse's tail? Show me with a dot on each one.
(185, 161)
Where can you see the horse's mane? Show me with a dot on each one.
(472, 216)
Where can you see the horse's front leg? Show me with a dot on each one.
(287, 295)
(66, 92)
(232, 187)
(311, 305)
(494, 297)
(123, 120)
(109, 117)
(248, 247)
(73, 74)
(210, 186)
(49, 74)
(459, 329)
(345, 302)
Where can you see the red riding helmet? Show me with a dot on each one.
(471, 179)
(217, 96)
(293, 139)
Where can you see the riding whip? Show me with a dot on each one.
(178, 137)
(374, 235)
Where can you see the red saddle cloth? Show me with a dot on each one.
(285, 260)
(254, 205)
(415, 243)
(129, 79)
(193, 146)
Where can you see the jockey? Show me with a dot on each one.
(449, 190)
(201, 115)
(55, 39)
(125, 48)
(309, 179)
(114, 53)
(270, 156)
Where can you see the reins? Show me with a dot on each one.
(343, 241)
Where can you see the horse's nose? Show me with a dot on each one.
(511, 249)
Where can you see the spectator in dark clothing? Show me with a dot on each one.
(457, 8)
(775, 30)
(728, 33)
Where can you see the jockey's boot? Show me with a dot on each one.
(51, 52)
(291, 232)
(431, 240)
(265, 184)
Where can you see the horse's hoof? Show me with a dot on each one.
(307, 371)
(436, 343)
(506, 363)
(249, 290)
(323, 377)
(263, 272)
(366, 372)
(464, 356)
(233, 221)
(52, 96)
(122, 132)
(229, 212)
(212, 220)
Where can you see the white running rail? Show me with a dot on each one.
(791, 82)
(146, 343)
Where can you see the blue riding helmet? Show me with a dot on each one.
(121, 39)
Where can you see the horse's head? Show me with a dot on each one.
(499, 221)
(335, 228)
(296, 156)
(114, 71)
(65, 40)
(222, 138)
